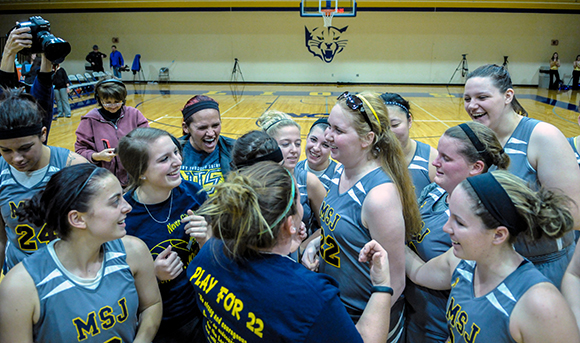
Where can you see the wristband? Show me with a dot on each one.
(382, 289)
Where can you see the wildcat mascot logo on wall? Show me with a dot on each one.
(325, 42)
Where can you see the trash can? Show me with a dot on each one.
(544, 77)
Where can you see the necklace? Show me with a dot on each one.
(168, 215)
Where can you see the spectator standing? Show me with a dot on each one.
(576, 73)
(60, 81)
(95, 58)
(116, 61)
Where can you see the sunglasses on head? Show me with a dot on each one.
(356, 104)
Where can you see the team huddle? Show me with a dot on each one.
(139, 236)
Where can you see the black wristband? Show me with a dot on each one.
(382, 289)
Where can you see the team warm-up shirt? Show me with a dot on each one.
(202, 168)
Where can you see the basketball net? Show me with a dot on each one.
(327, 15)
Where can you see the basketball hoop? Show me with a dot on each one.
(327, 15)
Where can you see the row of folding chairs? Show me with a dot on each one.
(85, 84)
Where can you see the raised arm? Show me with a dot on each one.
(43, 92)
(435, 274)
(373, 324)
(383, 202)
(150, 306)
(18, 39)
(19, 306)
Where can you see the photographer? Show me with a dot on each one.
(42, 91)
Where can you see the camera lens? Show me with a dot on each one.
(55, 48)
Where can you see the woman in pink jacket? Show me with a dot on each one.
(101, 129)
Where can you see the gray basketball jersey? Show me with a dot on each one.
(70, 312)
(572, 141)
(308, 217)
(419, 167)
(426, 313)
(24, 238)
(327, 174)
(486, 318)
(343, 235)
(517, 149)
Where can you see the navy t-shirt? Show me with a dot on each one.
(269, 298)
(177, 294)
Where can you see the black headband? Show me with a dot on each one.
(276, 122)
(497, 202)
(32, 130)
(320, 121)
(275, 156)
(202, 105)
(477, 144)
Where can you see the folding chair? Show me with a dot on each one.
(74, 85)
(90, 77)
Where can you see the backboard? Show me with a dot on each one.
(316, 8)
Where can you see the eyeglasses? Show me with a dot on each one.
(356, 104)
(113, 105)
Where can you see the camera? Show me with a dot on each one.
(124, 68)
(54, 48)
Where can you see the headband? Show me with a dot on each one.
(80, 190)
(32, 130)
(497, 202)
(288, 207)
(372, 109)
(392, 103)
(275, 156)
(276, 122)
(477, 144)
(198, 106)
(320, 121)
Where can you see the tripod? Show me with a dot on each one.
(237, 72)
(462, 66)
(505, 62)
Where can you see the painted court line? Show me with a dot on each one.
(436, 119)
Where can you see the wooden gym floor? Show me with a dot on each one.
(434, 108)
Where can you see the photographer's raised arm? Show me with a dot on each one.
(18, 39)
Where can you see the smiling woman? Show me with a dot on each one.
(486, 275)
(99, 131)
(28, 164)
(92, 267)
(163, 217)
(539, 153)
(206, 154)
(286, 132)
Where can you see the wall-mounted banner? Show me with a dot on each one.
(325, 42)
